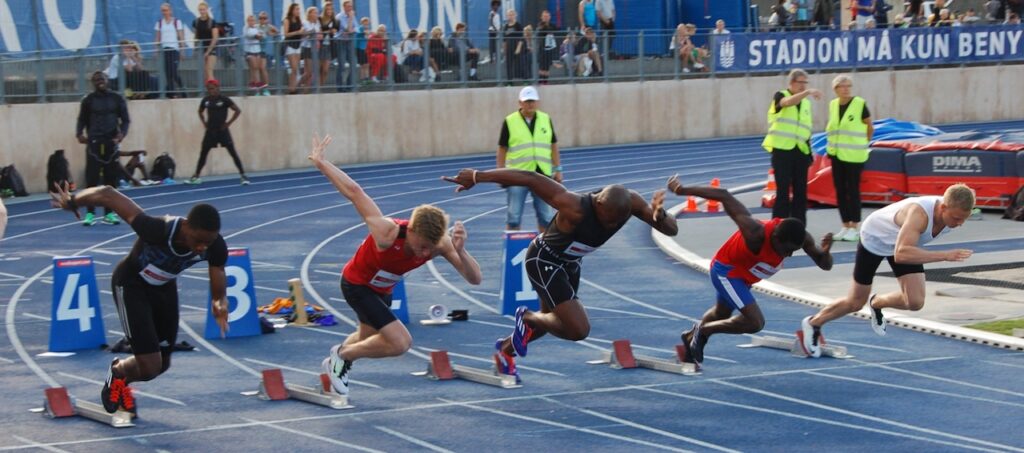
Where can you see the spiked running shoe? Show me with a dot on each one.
(522, 333)
(128, 400)
(111, 219)
(877, 320)
(89, 220)
(696, 345)
(337, 369)
(811, 337)
(505, 363)
(111, 393)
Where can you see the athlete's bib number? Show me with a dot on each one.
(384, 279)
(156, 276)
(579, 249)
(764, 270)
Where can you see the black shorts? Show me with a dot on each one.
(555, 279)
(149, 314)
(306, 52)
(217, 137)
(866, 264)
(372, 308)
(361, 56)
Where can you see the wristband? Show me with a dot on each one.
(474, 177)
(557, 169)
(72, 205)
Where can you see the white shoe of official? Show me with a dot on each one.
(811, 347)
(841, 235)
(877, 319)
(337, 369)
(852, 235)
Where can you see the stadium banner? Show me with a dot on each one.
(751, 52)
(69, 25)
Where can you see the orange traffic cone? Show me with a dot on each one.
(713, 204)
(770, 187)
(691, 204)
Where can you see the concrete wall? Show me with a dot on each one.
(274, 132)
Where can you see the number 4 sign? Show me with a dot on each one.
(516, 289)
(75, 320)
(241, 291)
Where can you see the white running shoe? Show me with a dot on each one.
(877, 320)
(810, 343)
(841, 235)
(337, 370)
(852, 235)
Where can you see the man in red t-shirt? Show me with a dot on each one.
(393, 247)
(752, 254)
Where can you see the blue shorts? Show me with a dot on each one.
(732, 291)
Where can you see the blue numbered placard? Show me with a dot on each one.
(516, 289)
(241, 291)
(400, 302)
(75, 320)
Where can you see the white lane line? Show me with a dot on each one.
(634, 425)
(437, 275)
(832, 340)
(484, 293)
(491, 361)
(22, 277)
(331, 273)
(317, 437)
(628, 313)
(870, 418)
(206, 344)
(943, 379)
(193, 307)
(413, 440)
(670, 351)
(433, 406)
(637, 302)
(321, 330)
(806, 418)
(116, 332)
(489, 323)
(875, 383)
(32, 443)
(6, 360)
(136, 391)
(107, 252)
(300, 370)
(565, 426)
(264, 263)
(35, 316)
(1011, 365)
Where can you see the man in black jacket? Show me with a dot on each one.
(104, 117)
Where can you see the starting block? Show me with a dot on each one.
(795, 346)
(621, 357)
(58, 404)
(440, 368)
(274, 388)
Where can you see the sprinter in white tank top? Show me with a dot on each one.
(896, 233)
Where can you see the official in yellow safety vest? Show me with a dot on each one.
(528, 142)
(788, 139)
(849, 131)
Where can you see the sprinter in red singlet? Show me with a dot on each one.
(392, 248)
(752, 254)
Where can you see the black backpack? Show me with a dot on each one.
(1015, 211)
(57, 171)
(10, 180)
(163, 167)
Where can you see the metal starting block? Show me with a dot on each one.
(274, 388)
(440, 368)
(58, 404)
(621, 356)
(795, 346)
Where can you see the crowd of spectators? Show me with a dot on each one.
(788, 15)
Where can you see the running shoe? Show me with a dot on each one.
(810, 338)
(245, 181)
(337, 370)
(877, 320)
(522, 333)
(505, 363)
(193, 181)
(111, 219)
(128, 400)
(89, 220)
(112, 388)
(697, 345)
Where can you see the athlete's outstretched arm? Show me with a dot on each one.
(381, 228)
(454, 250)
(104, 196)
(752, 230)
(822, 256)
(914, 223)
(654, 214)
(546, 188)
(218, 292)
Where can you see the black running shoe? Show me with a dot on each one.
(697, 345)
(111, 393)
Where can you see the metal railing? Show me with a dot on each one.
(561, 58)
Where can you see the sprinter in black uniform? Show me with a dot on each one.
(144, 283)
(582, 223)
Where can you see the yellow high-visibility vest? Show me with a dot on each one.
(529, 151)
(790, 127)
(847, 136)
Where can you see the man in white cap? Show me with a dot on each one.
(528, 142)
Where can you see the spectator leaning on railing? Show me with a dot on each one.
(328, 45)
(460, 48)
(549, 47)
(362, 36)
(513, 44)
(269, 31)
(311, 36)
(588, 55)
(348, 26)
(207, 37)
(170, 37)
(293, 32)
(493, 28)
(252, 37)
(606, 17)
